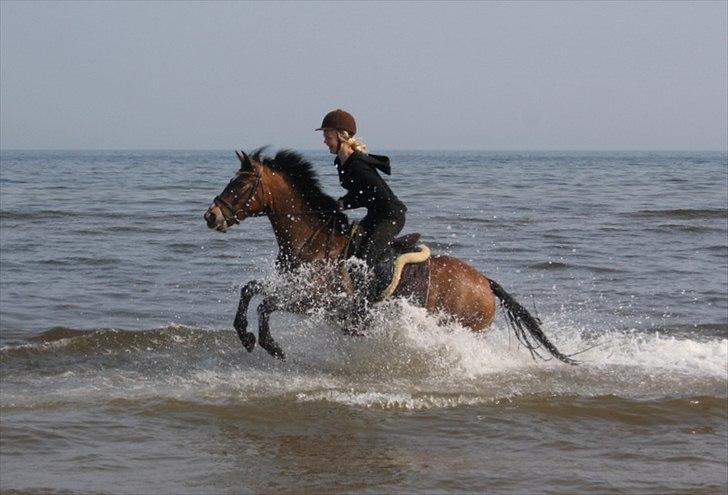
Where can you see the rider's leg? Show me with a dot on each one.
(380, 232)
(378, 235)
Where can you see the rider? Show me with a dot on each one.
(365, 187)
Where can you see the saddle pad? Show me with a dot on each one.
(404, 275)
(414, 283)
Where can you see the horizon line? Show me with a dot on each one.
(456, 150)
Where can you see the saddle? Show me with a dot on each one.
(400, 245)
(404, 274)
(402, 271)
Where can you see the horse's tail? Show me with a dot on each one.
(525, 326)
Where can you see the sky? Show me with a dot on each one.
(450, 76)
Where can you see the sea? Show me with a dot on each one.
(120, 371)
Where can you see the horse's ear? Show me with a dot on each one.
(245, 163)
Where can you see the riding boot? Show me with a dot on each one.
(381, 274)
(357, 318)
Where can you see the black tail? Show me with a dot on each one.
(526, 327)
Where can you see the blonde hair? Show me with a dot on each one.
(355, 143)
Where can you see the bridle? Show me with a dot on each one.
(233, 219)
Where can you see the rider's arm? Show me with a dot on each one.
(362, 187)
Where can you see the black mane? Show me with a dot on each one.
(303, 177)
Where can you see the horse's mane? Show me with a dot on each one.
(303, 177)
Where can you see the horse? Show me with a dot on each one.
(312, 234)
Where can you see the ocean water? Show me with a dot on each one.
(121, 373)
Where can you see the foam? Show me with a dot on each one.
(409, 360)
(468, 355)
(391, 400)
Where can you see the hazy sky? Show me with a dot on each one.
(623, 75)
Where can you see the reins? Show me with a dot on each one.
(232, 216)
(258, 180)
(234, 213)
(329, 224)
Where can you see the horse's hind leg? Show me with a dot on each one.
(250, 290)
(265, 339)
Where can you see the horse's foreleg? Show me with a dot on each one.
(265, 339)
(250, 290)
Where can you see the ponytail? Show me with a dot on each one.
(355, 143)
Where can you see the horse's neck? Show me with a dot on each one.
(301, 234)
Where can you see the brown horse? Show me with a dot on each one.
(312, 236)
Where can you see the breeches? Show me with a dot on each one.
(378, 235)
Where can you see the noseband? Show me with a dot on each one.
(224, 205)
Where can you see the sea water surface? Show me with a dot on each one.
(121, 373)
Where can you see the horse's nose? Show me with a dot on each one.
(209, 219)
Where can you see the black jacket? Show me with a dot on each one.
(366, 188)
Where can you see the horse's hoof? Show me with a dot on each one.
(248, 340)
(273, 349)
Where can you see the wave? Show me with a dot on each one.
(559, 266)
(549, 265)
(31, 215)
(58, 333)
(462, 218)
(700, 332)
(682, 214)
(142, 228)
(80, 260)
(671, 228)
(408, 360)
(716, 249)
(70, 341)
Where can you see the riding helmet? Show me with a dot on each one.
(340, 120)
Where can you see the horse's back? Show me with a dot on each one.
(461, 291)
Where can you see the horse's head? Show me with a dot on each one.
(241, 198)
